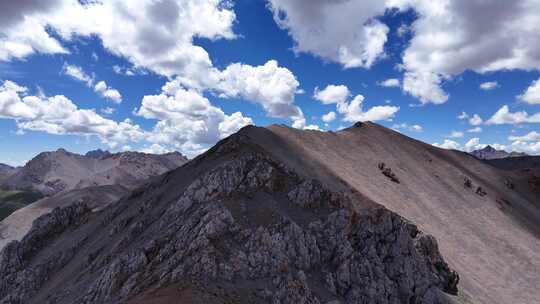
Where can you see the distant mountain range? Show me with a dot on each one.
(6, 171)
(491, 153)
(280, 215)
(52, 172)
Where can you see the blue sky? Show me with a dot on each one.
(228, 64)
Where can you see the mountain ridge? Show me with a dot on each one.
(56, 171)
(242, 219)
(488, 152)
(218, 228)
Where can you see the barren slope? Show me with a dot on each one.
(491, 240)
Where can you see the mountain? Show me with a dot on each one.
(53, 172)
(362, 215)
(19, 222)
(6, 171)
(98, 154)
(491, 153)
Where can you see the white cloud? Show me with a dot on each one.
(59, 115)
(108, 111)
(353, 110)
(127, 71)
(312, 127)
(473, 144)
(448, 144)
(475, 130)
(77, 73)
(463, 115)
(456, 134)
(329, 117)
(532, 93)
(532, 148)
(531, 136)
(504, 116)
(405, 126)
(341, 31)
(391, 82)
(490, 85)
(107, 92)
(156, 149)
(425, 86)
(187, 121)
(271, 86)
(332, 94)
(475, 120)
(453, 36)
(157, 35)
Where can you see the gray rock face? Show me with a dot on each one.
(242, 220)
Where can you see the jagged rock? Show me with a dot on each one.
(387, 171)
(467, 183)
(508, 183)
(480, 191)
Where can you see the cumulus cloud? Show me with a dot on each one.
(456, 134)
(77, 73)
(532, 93)
(271, 86)
(329, 117)
(157, 35)
(410, 128)
(451, 37)
(108, 111)
(473, 144)
(332, 94)
(353, 110)
(476, 120)
(187, 120)
(531, 136)
(107, 92)
(490, 85)
(390, 83)
(447, 37)
(463, 115)
(155, 149)
(475, 130)
(59, 115)
(504, 116)
(448, 144)
(341, 31)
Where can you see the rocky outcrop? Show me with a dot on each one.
(247, 221)
(20, 278)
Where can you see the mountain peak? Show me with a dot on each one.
(489, 152)
(98, 154)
